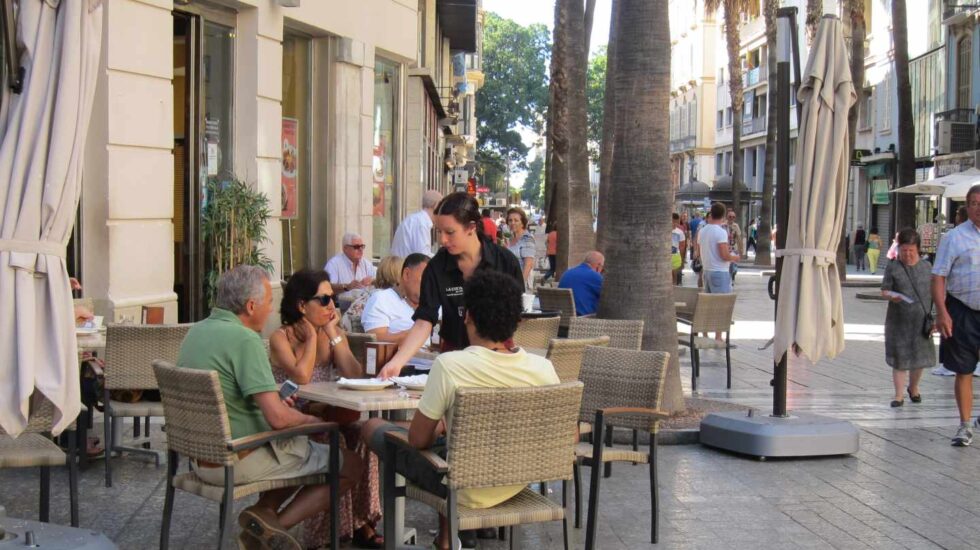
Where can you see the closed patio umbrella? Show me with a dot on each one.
(810, 314)
(42, 144)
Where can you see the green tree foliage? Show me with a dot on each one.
(515, 93)
(534, 183)
(595, 93)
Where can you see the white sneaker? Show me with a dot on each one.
(964, 435)
(941, 370)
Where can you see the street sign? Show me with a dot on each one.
(460, 177)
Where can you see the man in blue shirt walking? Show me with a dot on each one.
(585, 280)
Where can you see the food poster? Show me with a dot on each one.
(290, 167)
(378, 171)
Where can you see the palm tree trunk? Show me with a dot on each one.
(814, 11)
(733, 43)
(638, 280)
(580, 236)
(904, 203)
(763, 248)
(608, 135)
(558, 118)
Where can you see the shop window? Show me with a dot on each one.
(720, 119)
(964, 57)
(296, 148)
(384, 168)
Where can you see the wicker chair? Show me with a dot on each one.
(688, 295)
(34, 448)
(566, 355)
(623, 388)
(713, 313)
(499, 436)
(358, 344)
(536, 333)
(561, 300)
(198, 428)
(129, 353)
(622, 333)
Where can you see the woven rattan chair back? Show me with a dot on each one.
(194, 408)
(622, 333)
(689, 296)
(513, 436)
(566, 355)
(536, 333)
(616, 377)
(558, 299)
(358, 345)
(713, 313)
(131, 349)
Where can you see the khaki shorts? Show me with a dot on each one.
(283, 459)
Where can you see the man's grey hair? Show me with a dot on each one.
(594, 257)
(349, 238)
(430, 199)
(240, 284)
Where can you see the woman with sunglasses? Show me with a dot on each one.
(464, 250)
(303, 349)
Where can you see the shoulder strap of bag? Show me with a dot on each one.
(915, 290)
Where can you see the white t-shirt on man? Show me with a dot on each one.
(709, 237)
(676, 238)
(386, 308)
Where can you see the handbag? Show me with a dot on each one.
(928, 321)
(696, 265)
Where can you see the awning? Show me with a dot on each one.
(950, 186)
(457, 19)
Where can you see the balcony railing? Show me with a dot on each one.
(756, 76)
(682, 144)
(957, 115)
(753, 126)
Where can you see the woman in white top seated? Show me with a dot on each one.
(388, 313)
(388, 273)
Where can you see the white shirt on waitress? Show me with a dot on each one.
(709, 237)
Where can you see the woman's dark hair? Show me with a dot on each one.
(520, 213)
(909, 236)
(414, 259)
(300, 287)
(462, 207)
(493, 301)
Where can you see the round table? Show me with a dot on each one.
(540, 314)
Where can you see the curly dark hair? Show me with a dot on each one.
(300, 287)
(493, 301)
(520, 214)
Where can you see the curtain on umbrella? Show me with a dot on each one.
(810, 315)
(42, 144)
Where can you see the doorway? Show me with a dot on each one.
(202, 86)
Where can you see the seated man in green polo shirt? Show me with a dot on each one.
(228, 342)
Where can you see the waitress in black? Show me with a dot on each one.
(465, 249)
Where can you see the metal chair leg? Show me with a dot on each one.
(607, 467)
(168, 502)
(728, 357)
(654, 491)
(227, 506)
(565, 524)
(107, 441)
(45, 504)
(146, 432)
(388, 492)
(136, 427)
(577, 475)
(593, 517)
(73, 475)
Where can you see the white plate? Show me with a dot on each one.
(364, 384)
(416, 382)
(420, 364)
(85, 330)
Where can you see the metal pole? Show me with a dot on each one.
(782, 215)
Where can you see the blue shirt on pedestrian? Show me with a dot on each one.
(586, 285)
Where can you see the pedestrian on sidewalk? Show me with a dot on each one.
(874, 249)
(908, 325)
(551, 250)
(860, 246)
(956, 292)
(735, 242)
(678, 246)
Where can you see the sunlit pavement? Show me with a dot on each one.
(905, 488)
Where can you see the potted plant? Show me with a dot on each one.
(233, 223)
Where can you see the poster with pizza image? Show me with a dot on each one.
(290, 168)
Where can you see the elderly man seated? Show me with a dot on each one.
(388, 313)
(585, 280)
(228, 343)
(348, 270)
(493, 309)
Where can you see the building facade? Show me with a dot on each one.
(332, 110)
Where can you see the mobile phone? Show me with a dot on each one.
(287, 389)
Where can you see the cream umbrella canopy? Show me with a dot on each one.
(810, 313)
(42, 143)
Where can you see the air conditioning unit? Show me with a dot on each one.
(954, 137)
(500, 202)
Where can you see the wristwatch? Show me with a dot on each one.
(336, 340)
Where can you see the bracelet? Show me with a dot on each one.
(336, 340)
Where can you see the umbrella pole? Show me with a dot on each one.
(780, 374)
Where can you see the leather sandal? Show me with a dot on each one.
(896, 403)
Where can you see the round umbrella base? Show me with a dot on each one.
(796, 435)
(50, 536)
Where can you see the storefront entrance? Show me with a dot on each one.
(203, 70)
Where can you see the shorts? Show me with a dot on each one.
(415, 468)
(282, 459)
(717, 282)
(962, 351)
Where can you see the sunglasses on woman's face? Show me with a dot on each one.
(324, 299)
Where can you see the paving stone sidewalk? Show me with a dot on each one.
(905, 488)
